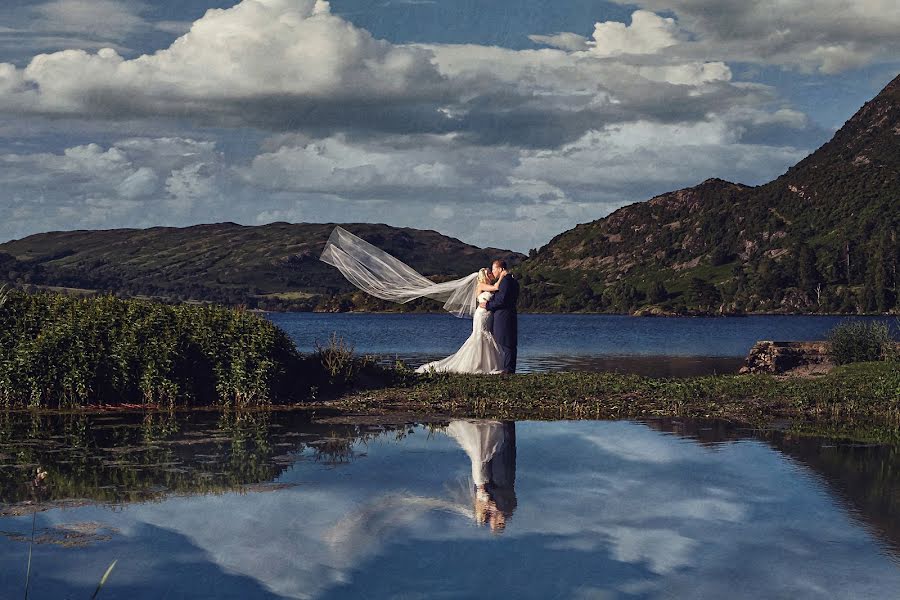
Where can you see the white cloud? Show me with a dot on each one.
(333, 164)
(828, 35)
(647, 34)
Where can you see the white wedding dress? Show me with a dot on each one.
(478, 354)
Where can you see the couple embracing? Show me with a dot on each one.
(493, 345)
(488, 297)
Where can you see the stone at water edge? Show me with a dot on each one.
(768, 356)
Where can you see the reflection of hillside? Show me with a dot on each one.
(135, 456)
(865, 477)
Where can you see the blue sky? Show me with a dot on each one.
(500, 123)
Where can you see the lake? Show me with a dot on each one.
(671, 346)
(272, 505)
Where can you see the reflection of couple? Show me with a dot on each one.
(489, 297)
(490, 499)
(491, 446)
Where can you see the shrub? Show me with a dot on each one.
(63, 351)
(853, 341)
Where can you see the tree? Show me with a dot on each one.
(808, 276)
(720, 256)
(657, 292)
(703, 294)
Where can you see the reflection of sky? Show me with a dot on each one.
(604, 509)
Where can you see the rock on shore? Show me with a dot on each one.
(783, 357)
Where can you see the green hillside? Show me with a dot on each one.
(272, 266)
(820, 238)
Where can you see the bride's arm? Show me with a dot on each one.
(487, 287)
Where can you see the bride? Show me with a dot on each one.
(480, 352)
(376, 272)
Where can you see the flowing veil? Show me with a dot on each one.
(379, 274)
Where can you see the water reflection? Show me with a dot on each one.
(131, 457)
(617, 509)
(864, 477)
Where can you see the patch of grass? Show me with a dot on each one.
(864, 390)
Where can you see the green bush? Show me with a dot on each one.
(853, 341)
(60, 351)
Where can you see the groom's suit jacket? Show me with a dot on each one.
(503, 305)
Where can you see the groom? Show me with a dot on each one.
(505, 328)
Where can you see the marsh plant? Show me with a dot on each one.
(58, 351)
(853, 341)
(339, 362)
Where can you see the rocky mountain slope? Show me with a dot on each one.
(820, 238)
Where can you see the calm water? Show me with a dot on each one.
(273, 506)
(648, 346)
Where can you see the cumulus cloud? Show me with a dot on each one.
(333, 164)
(647, 34)
(827, 35)
(564, 41)
(292, 65)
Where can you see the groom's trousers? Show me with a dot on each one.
(506, 332)
(509, 358)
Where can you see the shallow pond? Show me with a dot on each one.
(272, 505)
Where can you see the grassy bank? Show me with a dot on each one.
(66, 352)
(862, 391)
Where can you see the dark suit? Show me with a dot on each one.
(505, 326)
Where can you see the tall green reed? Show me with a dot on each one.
(62, 351)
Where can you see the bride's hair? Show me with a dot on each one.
(483, 276)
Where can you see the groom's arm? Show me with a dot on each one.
(499, 299)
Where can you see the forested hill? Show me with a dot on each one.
(272, 266)
(820, 238)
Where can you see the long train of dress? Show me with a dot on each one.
(478, 354)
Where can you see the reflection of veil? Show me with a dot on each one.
(376, 272)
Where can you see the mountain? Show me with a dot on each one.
(820, 238)
(273, 266)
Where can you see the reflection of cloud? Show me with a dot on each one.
(663, 549)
